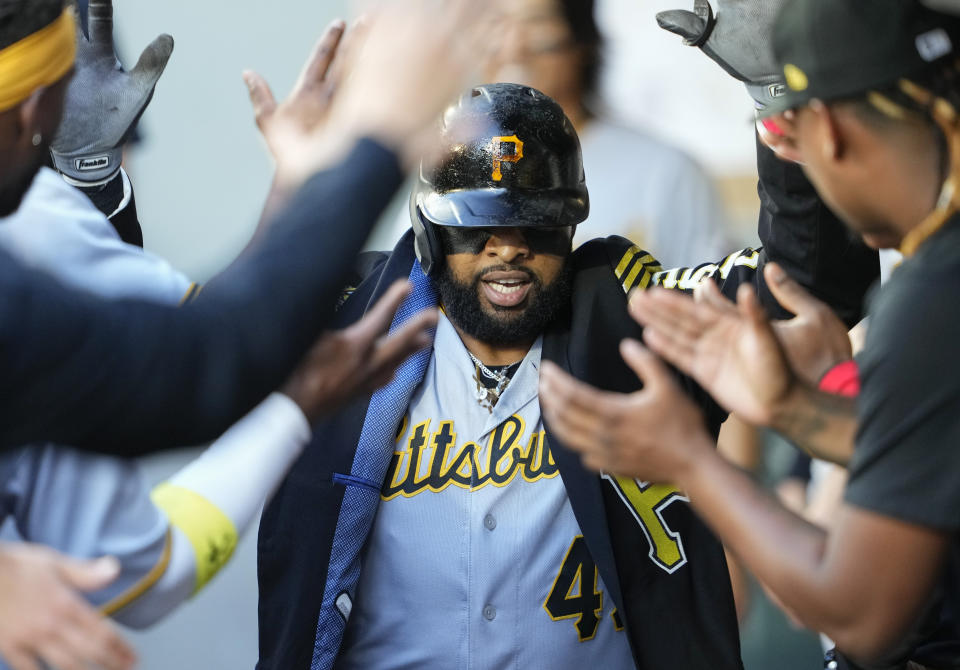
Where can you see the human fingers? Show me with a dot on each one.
(321, 57)
(779, 140)
(62, 657)
(708, 293)
(95, 640)
(98, 638)
(87, 575)
(681, 354)
(394, 349)
(378, 318)
(19, 659)
(574, 409)
(667, 311)
(261, 97)
(789, 293)
(648, 368)
(350, 44)
(749, 305)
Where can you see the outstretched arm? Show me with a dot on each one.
(171, 543)
(128, 377)
(839, 583)
(796, 229)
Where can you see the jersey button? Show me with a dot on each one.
(489, 612)
(489, 522)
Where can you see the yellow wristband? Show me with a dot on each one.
(210, 532)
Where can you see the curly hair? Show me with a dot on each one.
(20, 18)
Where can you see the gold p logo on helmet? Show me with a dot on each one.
(499, 155)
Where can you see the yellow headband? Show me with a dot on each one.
(37, 60)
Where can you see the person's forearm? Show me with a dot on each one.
(800, 233)
(780, 548)
(840, 582)
(215, 498)
(128, 378)
(277, 198)
(824, 425)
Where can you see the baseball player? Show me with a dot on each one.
(443, 524)
(874, 96)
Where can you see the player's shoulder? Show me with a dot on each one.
(630, 265)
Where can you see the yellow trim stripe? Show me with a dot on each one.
(145, 582)
(647, 276)
(625, 261)
(192, 292)
(638, 266)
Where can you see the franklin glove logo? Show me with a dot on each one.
(95, 163)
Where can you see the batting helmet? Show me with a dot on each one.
(510, 158)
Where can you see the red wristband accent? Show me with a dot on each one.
(842, 379)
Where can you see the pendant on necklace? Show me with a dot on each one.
(487, 398)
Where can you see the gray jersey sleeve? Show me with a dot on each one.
(87, 506)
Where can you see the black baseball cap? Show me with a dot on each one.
(834, 49)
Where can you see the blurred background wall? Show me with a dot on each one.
(201, 174)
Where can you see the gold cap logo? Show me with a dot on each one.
(796, 78)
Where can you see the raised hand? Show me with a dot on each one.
(651, 434)
(815, 339)
(732, 352)
(285, 125)
(737, 37)
(358, 359)
(104, 101)
(44, 621)
(414, 57)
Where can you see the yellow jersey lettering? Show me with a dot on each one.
(646, 503)
(432, 461)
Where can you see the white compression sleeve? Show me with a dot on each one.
(215, 498)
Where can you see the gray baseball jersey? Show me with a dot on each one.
(475, 559)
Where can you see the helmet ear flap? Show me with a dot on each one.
(426, 242)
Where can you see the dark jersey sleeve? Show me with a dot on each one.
(906, 463)
(109, 199)
(797, 231)
(128, 377)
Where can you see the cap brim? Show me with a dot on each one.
(500, 207)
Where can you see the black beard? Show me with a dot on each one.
(509, 326)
